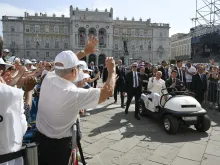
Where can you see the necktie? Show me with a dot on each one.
(166, 73)
(201, 77)
(135, 78)
(180, 75)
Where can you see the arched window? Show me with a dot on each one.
(82, 37)
(92, 32)
(102, 38)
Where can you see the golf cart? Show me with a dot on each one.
(180, 108)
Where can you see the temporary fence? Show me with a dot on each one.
(211, 95)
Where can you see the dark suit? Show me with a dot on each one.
(104, 75)
(144, 77)
(181, 74)
(148, 71)
(101, 70)
(199, 86)
(165, 74)
(92, 74)
(120, 84)
(178, 84)
(132, 91)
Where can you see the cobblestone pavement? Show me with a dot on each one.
(112, 138)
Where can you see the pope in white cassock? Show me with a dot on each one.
(155, 85)
(13, 123)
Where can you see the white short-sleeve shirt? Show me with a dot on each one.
(191, 70)
(59, 104)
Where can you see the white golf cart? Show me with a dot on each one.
(181, 108)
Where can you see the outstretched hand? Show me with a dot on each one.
(91, 45)
(110, 64)
(30, 83)
(6, 78)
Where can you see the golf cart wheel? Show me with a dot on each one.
(203, 124)
(170, 124)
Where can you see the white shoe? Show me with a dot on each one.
(90, 109)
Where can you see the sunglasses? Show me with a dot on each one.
(134, 66)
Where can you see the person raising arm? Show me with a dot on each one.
(109, 86)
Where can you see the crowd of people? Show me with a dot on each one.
(50, 94)
(53, 95)
(201, 79)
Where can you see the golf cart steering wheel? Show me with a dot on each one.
(173, 89)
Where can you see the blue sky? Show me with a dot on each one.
(175, 12)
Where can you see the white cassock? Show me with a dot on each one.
(14, 125)
(155, 87)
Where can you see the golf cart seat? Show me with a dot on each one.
(148, 102)
(146, 92)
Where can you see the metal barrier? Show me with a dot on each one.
(211, 96)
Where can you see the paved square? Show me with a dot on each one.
(112, 138)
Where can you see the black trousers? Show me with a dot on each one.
(188, 85)
(94, 84)
(118, 89)
(134, 93)
(200, 96)
(53, 151)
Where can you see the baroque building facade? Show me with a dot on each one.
(42, 37)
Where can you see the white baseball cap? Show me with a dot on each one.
(27, 61)
(68, 59)
(2, 62)
(12, 59)
(85, 66)
(34, 60)
(6, 50)
(82, 76)
(33, 67)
